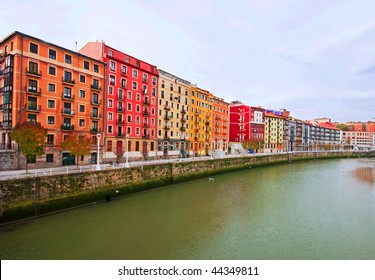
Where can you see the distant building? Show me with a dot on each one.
(273, 132)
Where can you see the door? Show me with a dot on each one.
(119, 148)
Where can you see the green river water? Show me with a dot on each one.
(310, 210)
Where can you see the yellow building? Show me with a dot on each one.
(200, 122)
(173, 108)
(273, 133)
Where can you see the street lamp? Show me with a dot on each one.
(97, 159)
(127, 151)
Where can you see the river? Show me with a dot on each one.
(323, 209)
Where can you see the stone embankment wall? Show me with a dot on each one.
(7, 160)
(21, 198)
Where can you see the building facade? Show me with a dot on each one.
(56, 87)
(200, 123)
(173, 116)
(130, 103)
(274, 131)
(220, 124)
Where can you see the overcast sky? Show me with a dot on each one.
(314, 58)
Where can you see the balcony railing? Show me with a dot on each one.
(33, 90)
(146, 113)
(146, 136)
(183, 120)
(120, 97)
(166, 117)
(120, 109)
(146, 102)
(33, 108)
(67, 127)
(182, 128)
(196, 130)
(120, 134)
(146, 125)
(124, 73)
(95, 101)
(95, 116)
(94, 130)
(183, 111)
(68, 96)
(166, 127)
(120, 122)
(67, 111)
(167, 108)
(207, 123)
(95, 87)
(68, 81)
(33, 72)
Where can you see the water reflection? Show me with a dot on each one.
(366, 174)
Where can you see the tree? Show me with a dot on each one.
(78, 145)
(252, 144)
(31, 138)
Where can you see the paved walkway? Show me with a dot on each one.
(15, 174)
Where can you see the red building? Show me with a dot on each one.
(130, 103)
(245, 122)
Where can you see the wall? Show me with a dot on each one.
(31, 197)
(7, 160)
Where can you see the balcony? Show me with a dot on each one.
(195, 138)
(145, 125)
(120, 109)
(196, 122)
(95, 101)
(123, 86)
(124, 73)
(68, 96)
(120, 122)
(120, 134)
(95, 116)
(33, 108)
(33, 72)
(183, 111)
(146, 136)
(183, 120)
(33, 90)
(166, 108)
(67, 111)
(197, 113)
(146, 102)
(94, 130)
(120, 97)
(166, 127)
(96, 87)
(217, 118)
(67, 127)
(207, 123)
(196, 130)
(182, 128)
(144, 91)
(68, 81)
(145, 113)
(166, 117)
(145, 80)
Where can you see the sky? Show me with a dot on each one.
(313, 58)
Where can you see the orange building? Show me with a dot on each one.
(220, 124)
(57, 87)
(361, 126)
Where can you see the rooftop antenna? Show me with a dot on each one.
(76, 46)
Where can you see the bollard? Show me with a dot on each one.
(67, 170)
(50, 171)
(17, 174)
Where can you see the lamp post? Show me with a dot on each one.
(97, 159)
(127, 151)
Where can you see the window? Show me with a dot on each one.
(68, 76)
(129, 119)
(110, 116)
(32, 159)
(129, 106)
(123, 69)
(153, 92)
(110, 103)
(33, 48)
(49, 158)
(31, 118)
(51, 88)
(86, 65)
(123, 82)
(112, 65)
(50, 139)
(138, 108)
(144, 77)
(51, 120)
(153, 81)
(135, 73)
(82, 93)
(109, 146)
(67, 92)
(137, 120)
(138, 97)
(68, 59)
(52, 54)
(52, 71)
(95, 84)
(110, 129)
(110, 90)
(134, 85)
(82, 79)
(112, 79)
(33, 86)
(81, 108)
(96, 68)
(51, 103)
(129, 95)
(81, 122)
(33, 68)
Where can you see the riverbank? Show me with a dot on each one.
(32, 197)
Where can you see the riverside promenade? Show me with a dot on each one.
(18, 174)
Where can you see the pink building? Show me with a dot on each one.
(130, 102)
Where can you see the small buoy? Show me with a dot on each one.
(116, 191)
(211, 179)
